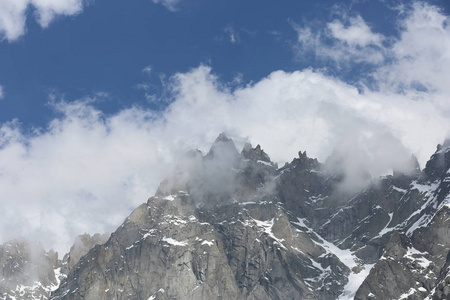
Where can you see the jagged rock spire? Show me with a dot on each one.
(223, 149)
(254, 153)
(439, 162)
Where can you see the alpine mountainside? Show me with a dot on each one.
(28, 272)
(230, 225)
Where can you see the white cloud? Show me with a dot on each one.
(2, 93)
(343, 44)
(13, 14)
(171, 5)
(415, 61)
(147, 69)
(12, 18)
(421, 57)
(232, 34)
(81, 174)
(87, 170)
(357, 33)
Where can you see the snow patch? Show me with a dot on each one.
(424, 188)
(267, 227)
(417, 256)
(403, 191)
(386, 228)
(406, 295)
(354, 282)
(59, 276)
(170, 198)
(150, 233)
(264, 163)
(345, 256)
(247, 203)
(209, 243)
(174, 242)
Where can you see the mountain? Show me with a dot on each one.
(230, 225)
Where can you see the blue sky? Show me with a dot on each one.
(104, 47)
(99, 98)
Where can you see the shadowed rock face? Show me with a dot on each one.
(232, 225)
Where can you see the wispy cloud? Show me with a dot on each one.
(343, 42)
(142, 86)
(355, 33)
(14, 13)
(233, 36)
(171, 5)
(2, 93)
(147, 70)
(275, 33)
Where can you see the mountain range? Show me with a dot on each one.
(234, 225)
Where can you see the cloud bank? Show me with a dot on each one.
(14, 13)
(87, 170)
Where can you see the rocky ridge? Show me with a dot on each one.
(230, 225)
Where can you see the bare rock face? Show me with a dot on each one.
(231, 225)
(83, 243)
(166, 248)
(27, 271)
(402, 270)
(415, 264)
(236, 242)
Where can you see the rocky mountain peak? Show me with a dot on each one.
(415, 163)
(223, 138)
(439, 163)
(256, 153)
(412, 168)
(233, 226)
(188, 168)
(223, 150)
(83, 243)
(305, 163)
